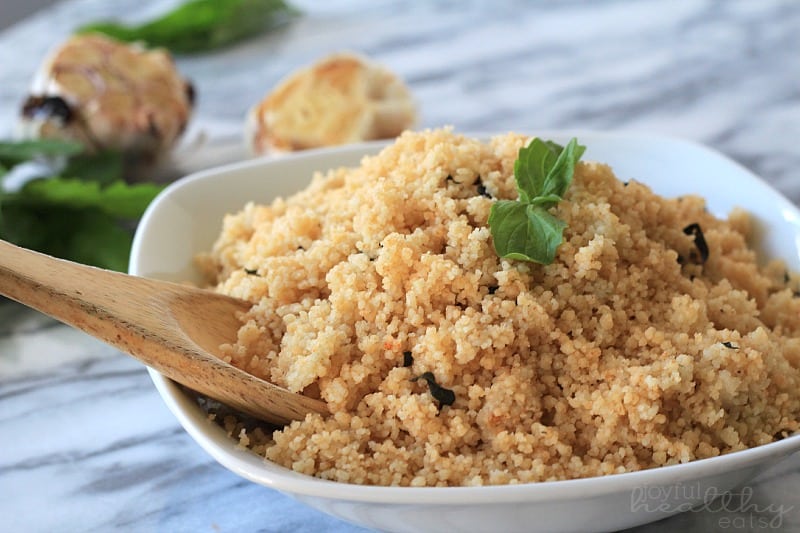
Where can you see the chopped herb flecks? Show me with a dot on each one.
(440, 394)
(408, 359)
(730, 345)
(481, 188)
(781, 434)
(699, 242)
(251, 272)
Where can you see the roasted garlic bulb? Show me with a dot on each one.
(109, 95)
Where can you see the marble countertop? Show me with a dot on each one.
(87, 444)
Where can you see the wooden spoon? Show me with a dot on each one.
(172, 328)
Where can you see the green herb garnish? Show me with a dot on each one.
(80, 209)
(202, 25)
(524, 229)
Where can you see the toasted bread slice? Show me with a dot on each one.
(343, 98)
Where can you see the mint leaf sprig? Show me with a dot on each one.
(524, 229)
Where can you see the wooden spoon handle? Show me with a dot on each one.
(108, 305)
(175, 329)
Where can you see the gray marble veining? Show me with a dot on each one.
(87, 445)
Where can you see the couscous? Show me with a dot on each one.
(654, 338)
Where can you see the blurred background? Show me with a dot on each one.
(14, 10)
(721, 73)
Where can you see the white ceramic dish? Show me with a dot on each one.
(185, 219)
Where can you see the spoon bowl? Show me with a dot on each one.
(174, 329)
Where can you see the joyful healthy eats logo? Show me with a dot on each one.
(734, 509)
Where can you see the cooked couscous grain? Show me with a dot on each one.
(631, 350)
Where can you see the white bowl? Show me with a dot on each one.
(185, 219)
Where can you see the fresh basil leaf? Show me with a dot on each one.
(13, 152)
(532, 168)
(546, 201)
(525, 232)
(202, 25)
(544, 169)
(559, 176)
(524, 229)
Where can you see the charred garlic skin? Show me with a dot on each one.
(109, 95)
(52, 108)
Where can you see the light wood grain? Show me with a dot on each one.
(172, 328)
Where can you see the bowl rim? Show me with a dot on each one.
(247, 464)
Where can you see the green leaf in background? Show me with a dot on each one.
(86, 236)
(202, 25)
(99, 240)
(13, 152)
(118, 199)
(103, 168)
(523, 229)
(85, 216)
